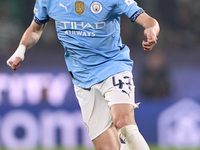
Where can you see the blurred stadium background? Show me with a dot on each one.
(38, 107)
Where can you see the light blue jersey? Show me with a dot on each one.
(89, 31)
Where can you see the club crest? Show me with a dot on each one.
(129, 2)
(96, 7)
(79, 7)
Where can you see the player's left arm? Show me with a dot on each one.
(151, 31)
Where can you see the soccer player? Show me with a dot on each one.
(98, 62)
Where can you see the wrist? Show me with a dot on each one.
(20, 52)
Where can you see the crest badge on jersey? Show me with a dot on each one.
(79, 7)
(96, 7)
(129, 2)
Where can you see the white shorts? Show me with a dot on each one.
(95, 102)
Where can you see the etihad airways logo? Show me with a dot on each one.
(77, 28)
(80, 25)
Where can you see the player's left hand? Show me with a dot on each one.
(151, 39)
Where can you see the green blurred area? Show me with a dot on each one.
(151, 148)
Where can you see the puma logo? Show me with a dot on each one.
(126, 93)
(64, 6)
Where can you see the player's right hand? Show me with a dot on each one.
(15, 60)
(14, 63)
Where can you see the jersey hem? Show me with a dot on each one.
(89, 85)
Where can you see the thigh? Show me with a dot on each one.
(95, 111)
(108, 140)
(119, 92)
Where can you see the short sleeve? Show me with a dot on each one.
(129, 8)
(40, 12)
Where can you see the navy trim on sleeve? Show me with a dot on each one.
(136, 14)
(40, 21)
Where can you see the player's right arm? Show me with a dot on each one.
(28, 40)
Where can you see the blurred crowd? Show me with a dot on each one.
(179, 21)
